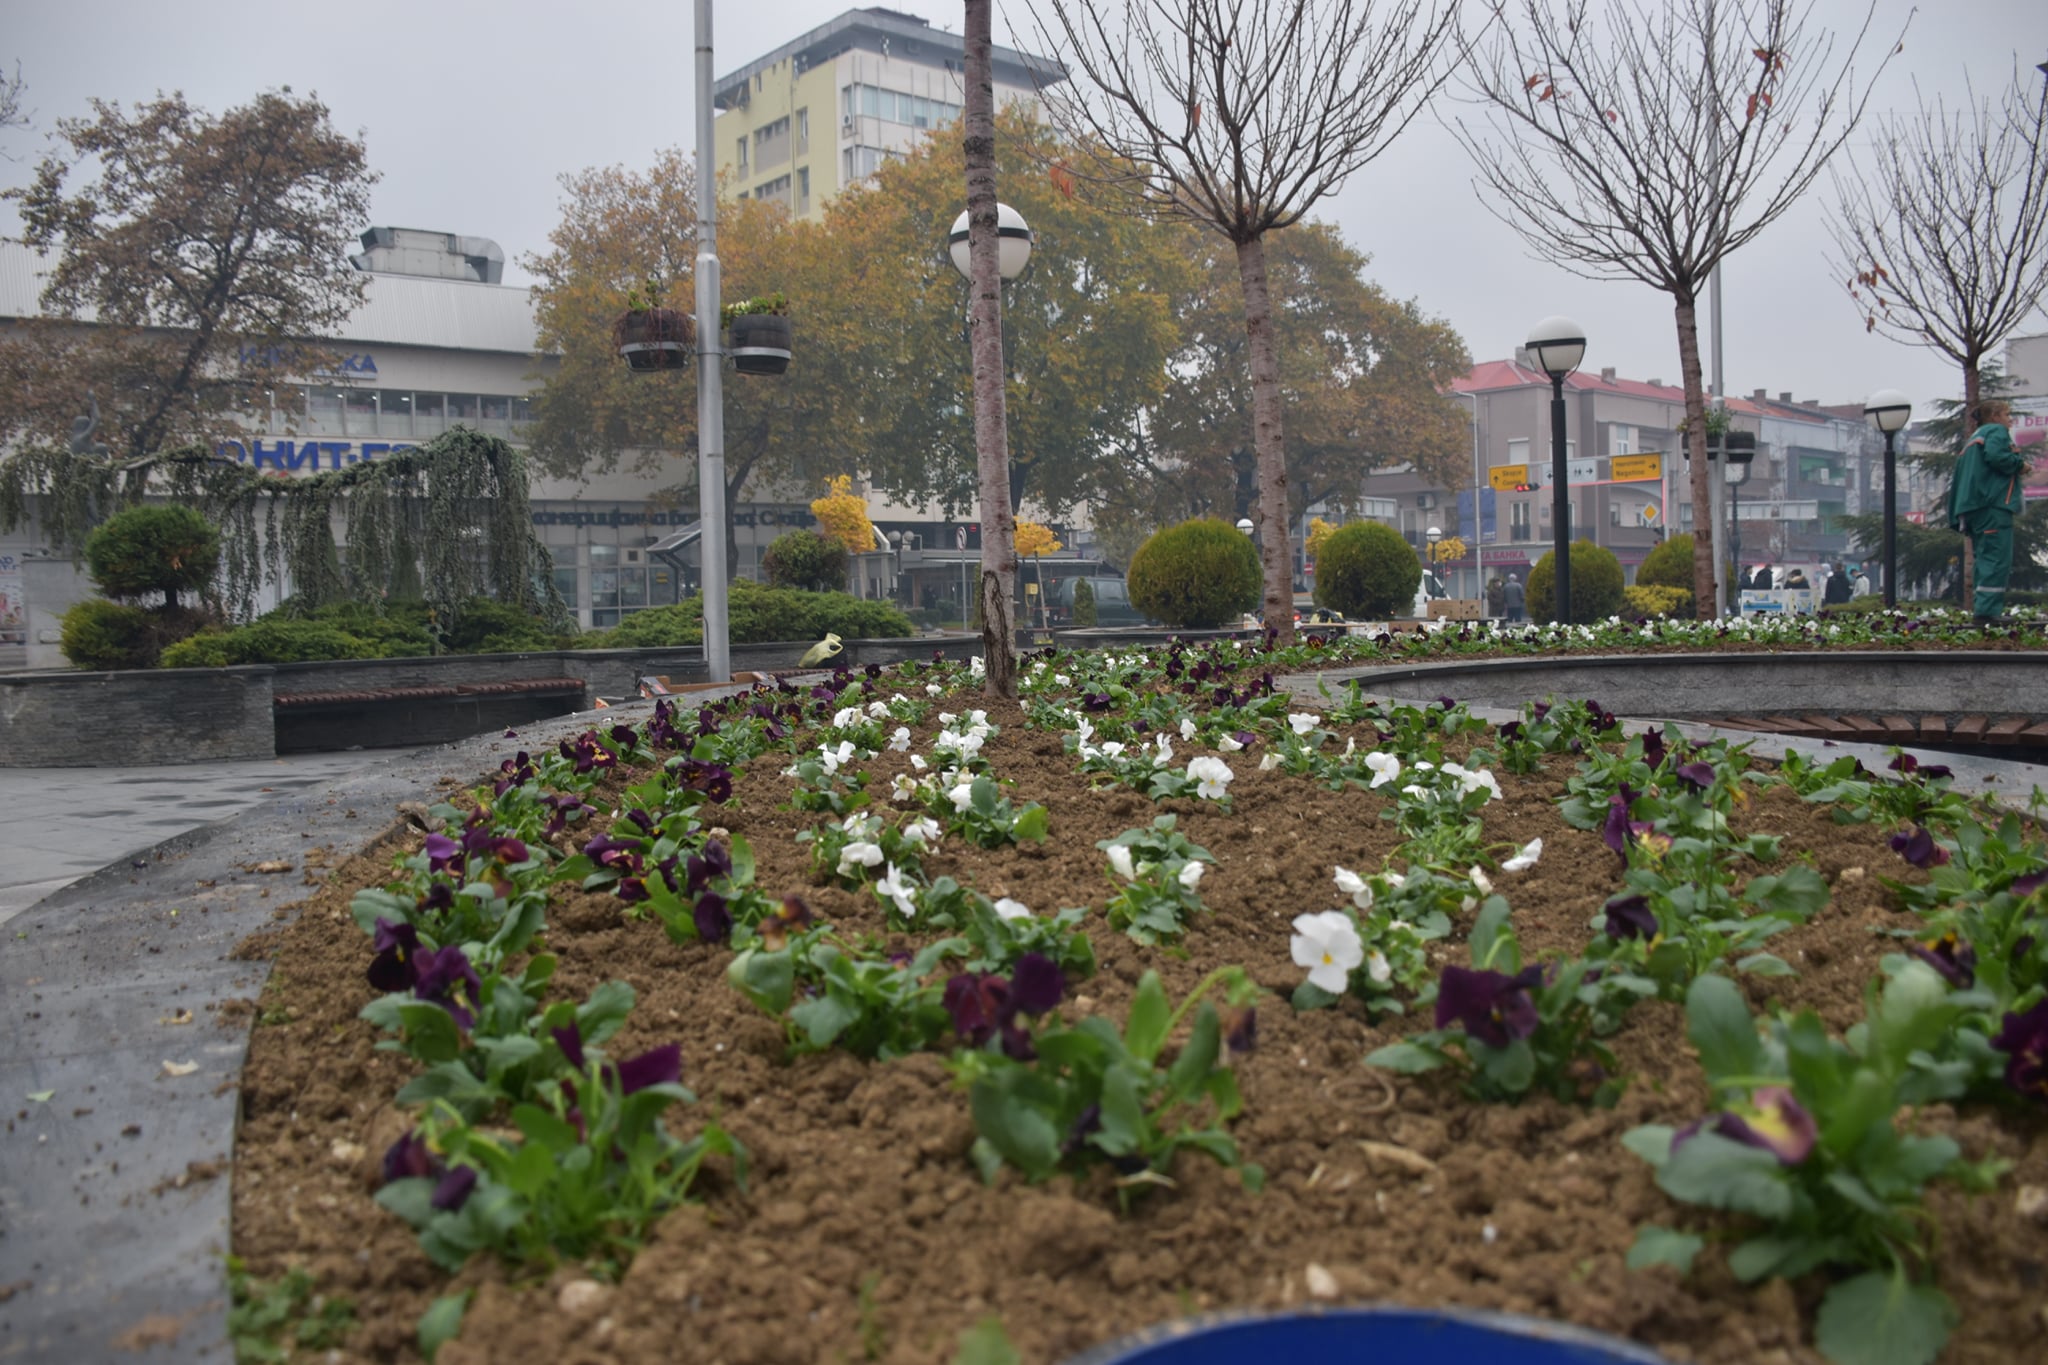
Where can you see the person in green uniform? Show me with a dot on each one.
(1984, 498)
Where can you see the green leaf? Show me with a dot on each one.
(543, 1128)
(768, 979)
(529, 1171)
(1191, 1068)
(1406, 1058)
(600, 1017)
(824, 1018)
(1764, 964)
(1797, 893)
(1651, 1142)
(1511, 1068)
(982, 795)
(1310, 997)
(442, 1320)
(1662, 1246)
(1030, 824)
(1493, 938)
(742, 862)
(1882, 1319)
(1024, 1136)
(1720, 1026)
(1145, 1030)
(430, 1033)
(1720, 1173)
(986, 1343)
(1123, 1114)
(1787, 1256)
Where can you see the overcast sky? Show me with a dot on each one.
(472, 110)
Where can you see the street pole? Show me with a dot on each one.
(1560, 503)
(1891, 521)
(1478, 516)
(710, 378)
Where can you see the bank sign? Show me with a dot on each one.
(289, 457)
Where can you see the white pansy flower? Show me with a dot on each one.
(933, 690)
(1412, 790)
(1211, 776)
(832, 755)
(1112, 748)
(1083, 728)
(1354, 886)
(1164, 755)
(1482, 881)
(1378, 968)
(946, 718)
(1191, 874)
(1394, 879)
(1187, 728)
(978, 666)
(923, 830)
(1228, 744)
(903, 787)
(900, 741)
(1526, 859)
(1350, 746)
(962, 797)
(1011, 909)
(1062, 680)
(1384, 767)
(1120, 860)
(1302, 721)
(1423, 765)
(878, 709)
(845, 716)
(1327, 944)
(892, 886)
(917, 762)
(1269, 762)
(859, 853)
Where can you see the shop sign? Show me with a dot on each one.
(361, 365)
(290, 457)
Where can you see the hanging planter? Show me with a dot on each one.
(760, 333)
(655, 338)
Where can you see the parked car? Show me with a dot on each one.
(1430, 587)
(1112, 602)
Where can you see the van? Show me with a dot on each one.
(1112, 602)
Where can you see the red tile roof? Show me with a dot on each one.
(1492, 375)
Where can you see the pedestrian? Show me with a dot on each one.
(1512, 594)
(1862, 581)
(1837, 590)
(1983, 498)
(1796, 580)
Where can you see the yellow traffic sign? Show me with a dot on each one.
(1635, 468)
(1506, 478)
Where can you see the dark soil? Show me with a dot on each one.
(866, 1234)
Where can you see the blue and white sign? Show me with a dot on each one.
(290, 457)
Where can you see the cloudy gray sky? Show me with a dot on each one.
(471, 110)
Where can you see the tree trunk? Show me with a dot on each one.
(1701, 473)
(1268, 442)
(991, 434)
(1973, 389)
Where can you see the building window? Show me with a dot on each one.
(846, 100)
(1518, 450)
(803, 189)
(778, 188)
(743, 156)
(1624, 439)
(462, 407)
(803, 131)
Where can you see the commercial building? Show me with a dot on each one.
(1628, 478)
(825, 110)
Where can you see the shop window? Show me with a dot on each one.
(462, 407)
(496, 408)
(359, 411)
(565, 584)
(522, 409)
(394, 414)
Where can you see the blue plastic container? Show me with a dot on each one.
(1368, 1336)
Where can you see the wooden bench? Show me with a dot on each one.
(391, 717)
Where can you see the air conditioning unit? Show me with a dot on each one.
(846, 124)
(1425, 501)
(636, 556)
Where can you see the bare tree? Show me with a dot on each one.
(985, 317)
(1651, 144)
(1943, 230)
(12, 89)
(1240, 115)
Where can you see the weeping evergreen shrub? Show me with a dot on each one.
(1084, 604)
(1196, 576)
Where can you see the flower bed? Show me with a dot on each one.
(1157, 994)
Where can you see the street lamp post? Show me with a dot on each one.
(1014, 240)
(710, 380)
(1559, 345)
(1890, 410)
(1735, 473)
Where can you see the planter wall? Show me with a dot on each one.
(167, 715)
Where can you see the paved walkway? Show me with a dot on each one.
(59, 824)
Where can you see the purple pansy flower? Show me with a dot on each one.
(615, 854)
(443, 976)
(395, 945)
(410, 1157)
(712, 918)
(442, 852)
(1699, 776)
(1772, 1121)
(1630, 917)
(1493, 1007)
(1951, 956)
(2024, 1041)
(657, 1066)
(1918, 848)
(453, 1189)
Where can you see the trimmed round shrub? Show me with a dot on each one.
(102, 635)
(1596, 585)
(807, 561)
(1367, 570)
(1195, 576)
(159, 548)
(281, 640)
(208, 649)
(1669, 565)
(1655, 599)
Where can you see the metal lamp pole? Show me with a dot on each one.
(710, 378)
(1559, 345)
(1890, 410)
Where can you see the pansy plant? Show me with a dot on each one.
(1095, 1094)
(975, 809)
(1513, 1029)
(829, 993)
(1156, 870)
(1804, 1144)
(1362, 948)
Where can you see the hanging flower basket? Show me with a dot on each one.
(760, 343)
(655, 338)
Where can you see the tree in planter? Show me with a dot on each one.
(1241, 120)
(1654, 154)
(1084, 605)
(1367, 570)
(1596, 584)
(806, 560)
(139, 555)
